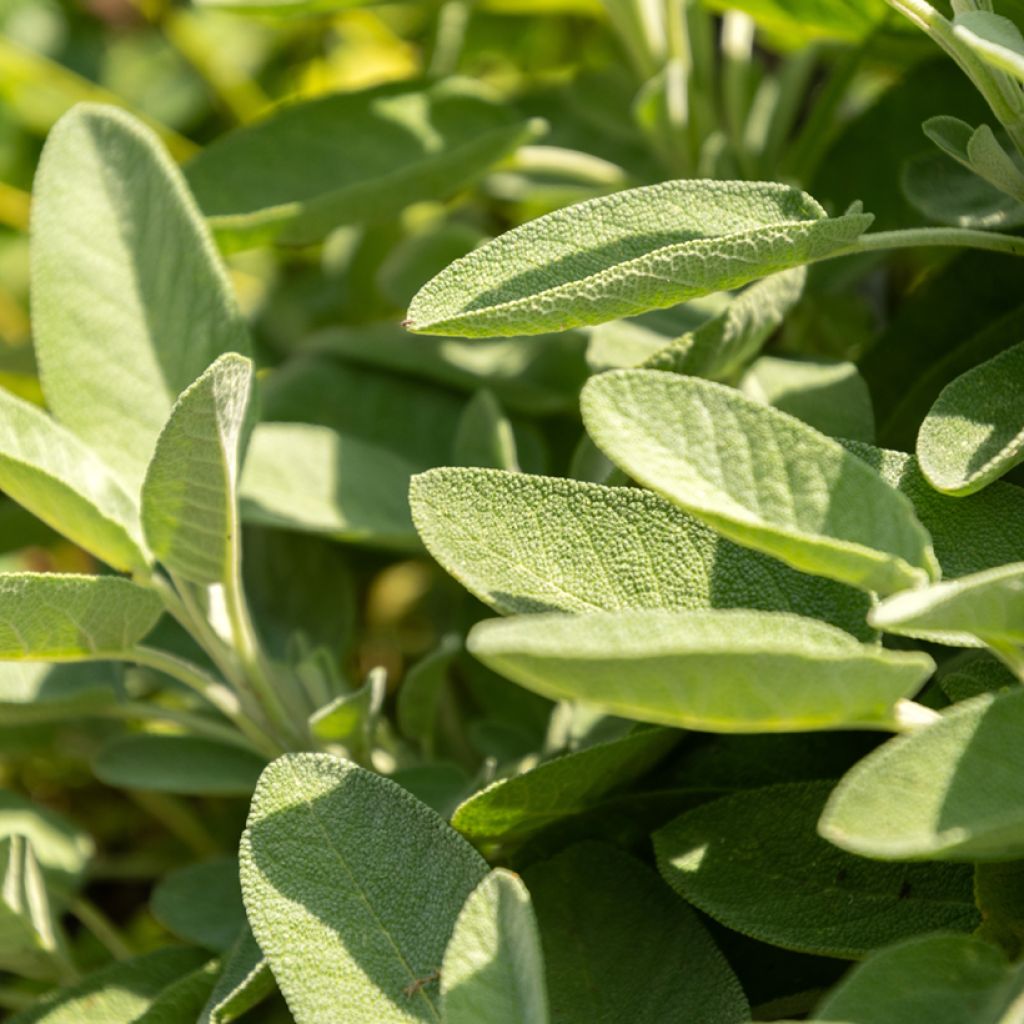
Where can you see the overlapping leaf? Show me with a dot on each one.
(201, 903)
(997, 40)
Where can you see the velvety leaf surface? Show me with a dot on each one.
(38, 692)
(720, 671)
(754, 862)
(201, 903)
(997, 40)
(333, 859)
(244, 982)
(626, 253)
(119, 253)
(759, 476)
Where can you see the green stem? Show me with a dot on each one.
(914, 238)
(104, 930)
(199, 725)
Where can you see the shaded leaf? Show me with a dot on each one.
(244, 983)
(201, 903)
(184, 999)
(423, 691)
(484, 436)
(38, 692)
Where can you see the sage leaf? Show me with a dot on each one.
(974, 433)
(184, 999)
(113, 345)
(979, 151)
(49, 471)
(244, 983)
(347, 724)
(494, 967)
(423, 691)
(526, 544)
(760, 477)
(754, 862)
(33, 692)
(993, 38)
(629, 252)
(952, 791)
(332, 858)
(55, 617)
(717, 671)
(293, 176)
(484, 436)
(619, 947)
(202, 903)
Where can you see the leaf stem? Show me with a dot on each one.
(102, 928)
(913, 238)
(198, 725)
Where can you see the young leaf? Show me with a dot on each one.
(54, 617)
(294, 176)
(623, 254)
(978, 150)
(484, 436)
(189, 500)
(38, 692)
(244, 983)
(49, 471)
(130, 302)
(527, 544)
(348, 722)
(422, 692)
(716, 671)
(759, 476)
(953, 791)
(620, 948)
(493, 967)
(201, 903)
(333, 858)
(754, 862)
(974, 432)
(995, 39)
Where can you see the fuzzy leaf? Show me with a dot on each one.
(760, 477)
(978, 150)
(201, 903)
(995, 39)
(626, 253)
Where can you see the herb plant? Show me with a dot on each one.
(730, 450)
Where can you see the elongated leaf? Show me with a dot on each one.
(294, 175)
(623, 254)
(759, 476)
(52, 617)
(494, 967)
(37, 692)
(953, 791)
(531, 544)
(718, 671)
(995, 39)
(515, 808)
(59, 479)
(620, 948)
(189, 501)
(974, 432)
(977, 149)
(423, 690)
(754, 862)
(244, 983)
(130, 302)
(201, 903)
(333, 859)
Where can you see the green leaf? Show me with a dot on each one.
(803, 21)
(979, 150)
(118, 994)
(294, 176)
(622, 254)
(754, 862)
(512, 809)
(760, 477)
(484, 436)
(130, 302)
(993, 38)
(999, 891)
(620, 948)
(38, 692)
(55, 617)
(201, 903)
(716, 671)
(177, 764)
(972, 673)
(244, 983)
(189, 500)
(953, 791)
(333, 859)
(49, 471)
(423, 691)
(974, 433)
(529, 544)
(184, 999)
(348, 722)
(494, 967)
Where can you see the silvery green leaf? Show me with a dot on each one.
(348, 722)
(995, 39)
(979, 150)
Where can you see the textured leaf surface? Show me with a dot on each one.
(530, 544)
(626, 253)
(244, 983)
(754, 862)
(201, 903)
(759, 476)
(953, 791)
(189, 501)
(333, 859)
(720, 671)
(974, 432)
(130, 302)
(52, 617)
(37, 692)
(997, 40)
(494, 967)
(619, 947)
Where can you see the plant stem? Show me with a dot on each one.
(914, 238)
(104, 930)
(199, 725)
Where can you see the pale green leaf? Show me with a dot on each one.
(423, 690)
(244, 983)
(716, 671)
(350, 158)
(347, 723)
(38, 692)
(979, 150)
(952, 791)
(974, 433)
(189, 500)
(49, 471)
(622, 254)
(484, 436)
(201, 903)
(334, 859)
(754, 862)
(130, 302)
(55, 617)
(799, 22)
(493, 967)
(531, 544)
(759, 476)
(995, 39)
